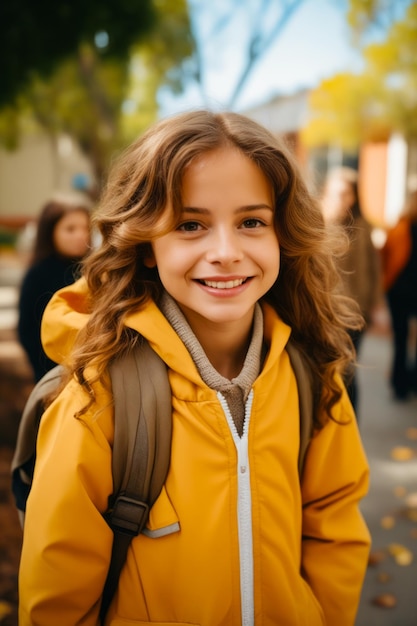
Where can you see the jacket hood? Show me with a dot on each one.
(65, 314)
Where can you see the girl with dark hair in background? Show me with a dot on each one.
(62, 240)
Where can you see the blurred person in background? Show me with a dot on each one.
(360, 265)
(62, 240)
(399, 273)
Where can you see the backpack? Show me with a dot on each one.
(142, 442)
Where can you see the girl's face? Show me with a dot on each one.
(338, 199)
(223, 255)
(72, 234)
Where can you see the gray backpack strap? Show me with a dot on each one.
(141, 450)
(142, 404)
(31, 416)
(24, 456)
(303, 376)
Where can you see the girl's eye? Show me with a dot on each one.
(189, 227)
(252, 222)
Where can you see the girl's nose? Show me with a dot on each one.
(225, 247)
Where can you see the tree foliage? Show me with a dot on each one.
(103, 101)
(160, 61)
(37, 36)
(376, 14)
(350, 108)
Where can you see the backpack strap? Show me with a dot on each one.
(141, 450)
(303, 375)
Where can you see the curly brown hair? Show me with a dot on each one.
(132, 213)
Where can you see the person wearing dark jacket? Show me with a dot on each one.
(62, 240)
(359, 266)
(399, 265)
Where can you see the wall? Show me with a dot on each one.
(29, 175)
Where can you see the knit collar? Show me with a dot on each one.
(208, 373)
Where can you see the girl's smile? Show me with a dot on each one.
(223, 255)
(227, 286)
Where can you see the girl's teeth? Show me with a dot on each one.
(229, 284)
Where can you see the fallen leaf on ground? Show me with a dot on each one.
(411, 433)
(395, 548)
(376, 557)
(387, 522)
(402, 453)
(411, 500)
(383, 577)
(401, 554)
(400, 492)
(412, 514)
(404, 558)
(385, 601)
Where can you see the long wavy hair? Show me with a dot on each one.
(132, 213)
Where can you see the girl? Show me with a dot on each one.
(213, 250)
(62, 239)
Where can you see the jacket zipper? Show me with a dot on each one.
(244, 511)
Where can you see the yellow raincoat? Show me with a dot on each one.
(232, 539)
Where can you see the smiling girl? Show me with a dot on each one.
(212, 250)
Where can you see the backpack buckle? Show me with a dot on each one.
(128, 515)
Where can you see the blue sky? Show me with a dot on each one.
(315, 44)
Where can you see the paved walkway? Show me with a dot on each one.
(389, 432)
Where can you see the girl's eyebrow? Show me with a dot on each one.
(242, 209)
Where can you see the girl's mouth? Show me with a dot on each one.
(223, 284)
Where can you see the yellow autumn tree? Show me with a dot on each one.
(350, 108)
